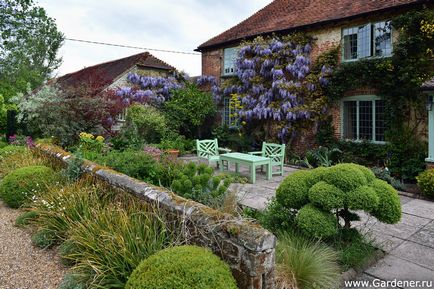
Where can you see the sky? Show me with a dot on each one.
(180, 25)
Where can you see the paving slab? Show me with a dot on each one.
(383, 241)
(405, 199)
(419, 208)
(392, 267)
(430, 226)
(400, 230)
(415, 253)
(424, 237)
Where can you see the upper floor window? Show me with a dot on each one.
(373, 39)
(229, 57)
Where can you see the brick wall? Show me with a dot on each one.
(245, 246)
(212, 63)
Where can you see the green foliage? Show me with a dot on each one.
(293, 191)
(363, 198)
(425, 181)
(323, 197)
(326, 196)
(25, 218)
(389, 209)
(73, 170)
(232, 138)
(114, 241)
(315, 222)
(146, 122)
(384, 174)
(72, 281)
(43, 238)
(364, 153)
(184, 267)
(28, 46)
(188, 109)
(346, 177)
(173, 140)
(196, 182)
(310, 264)
(19, 186)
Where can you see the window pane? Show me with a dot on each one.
(383, 38)
(226, 111)
(350, 43)
(380, 123)
(229, 58)
(350, 119)
(365, 120)
(364, 41)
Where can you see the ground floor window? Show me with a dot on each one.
(363, 118)
(227, 118)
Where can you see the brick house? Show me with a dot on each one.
(360, 27)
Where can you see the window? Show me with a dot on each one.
(227, 112)
(122, 116)
(229, 57)
(367, 40)
(363, 118)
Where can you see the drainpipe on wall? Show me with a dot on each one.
(429, 107)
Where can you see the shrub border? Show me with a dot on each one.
(248, 248)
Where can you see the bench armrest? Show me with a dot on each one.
(255, 153)
(225, 150)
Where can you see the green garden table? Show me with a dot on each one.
(249, 160)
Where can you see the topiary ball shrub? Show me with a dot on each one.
(316, 222)
(346, 177)
(326, 196)
(21, 185)
(389, 208)
(183, 267)
(293, 191)
(425, 181)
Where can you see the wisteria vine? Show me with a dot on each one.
(148, 89)
(274, 82)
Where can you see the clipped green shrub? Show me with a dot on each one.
(425, 181)
(183, 267)
(389, 208)
(25, 218)
(363, 198)
(346, 177)
(293, 191)
(308, 264)
(3, 144)
(276, 217)
(315, 222)
(11, 149)
(21, 185)
(326, 196)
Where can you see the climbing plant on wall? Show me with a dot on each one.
(276, 84)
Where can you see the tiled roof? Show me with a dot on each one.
(111, 70)
(291, 14)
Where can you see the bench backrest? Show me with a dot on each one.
(274, 151)
(206, 148)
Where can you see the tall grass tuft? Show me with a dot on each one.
(303, 264)
(110, 245)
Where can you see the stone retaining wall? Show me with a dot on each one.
(245, 246)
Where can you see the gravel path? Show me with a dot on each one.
(21, 264)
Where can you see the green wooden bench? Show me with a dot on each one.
(209, 149)
(275, 152)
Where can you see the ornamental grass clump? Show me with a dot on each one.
(109, 246)
(318, 201)
(21, 185)
(303, 263)
(183, 267)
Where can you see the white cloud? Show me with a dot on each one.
(165, 24)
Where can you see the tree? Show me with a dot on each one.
(29, 41)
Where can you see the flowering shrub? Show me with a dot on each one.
(147, 89)
(275, 83)
(88, 142)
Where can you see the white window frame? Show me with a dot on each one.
(371, 41)
(122, 117)
(227, 106)
(359, 98)
(229, 58)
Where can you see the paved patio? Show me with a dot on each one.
(409, 244)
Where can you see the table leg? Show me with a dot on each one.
(253, 173)
(237, 168)
(269, 171)
(221, 165)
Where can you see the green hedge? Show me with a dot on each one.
(425, 181)
(316, 223)
(21, 185)
(183, 267)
